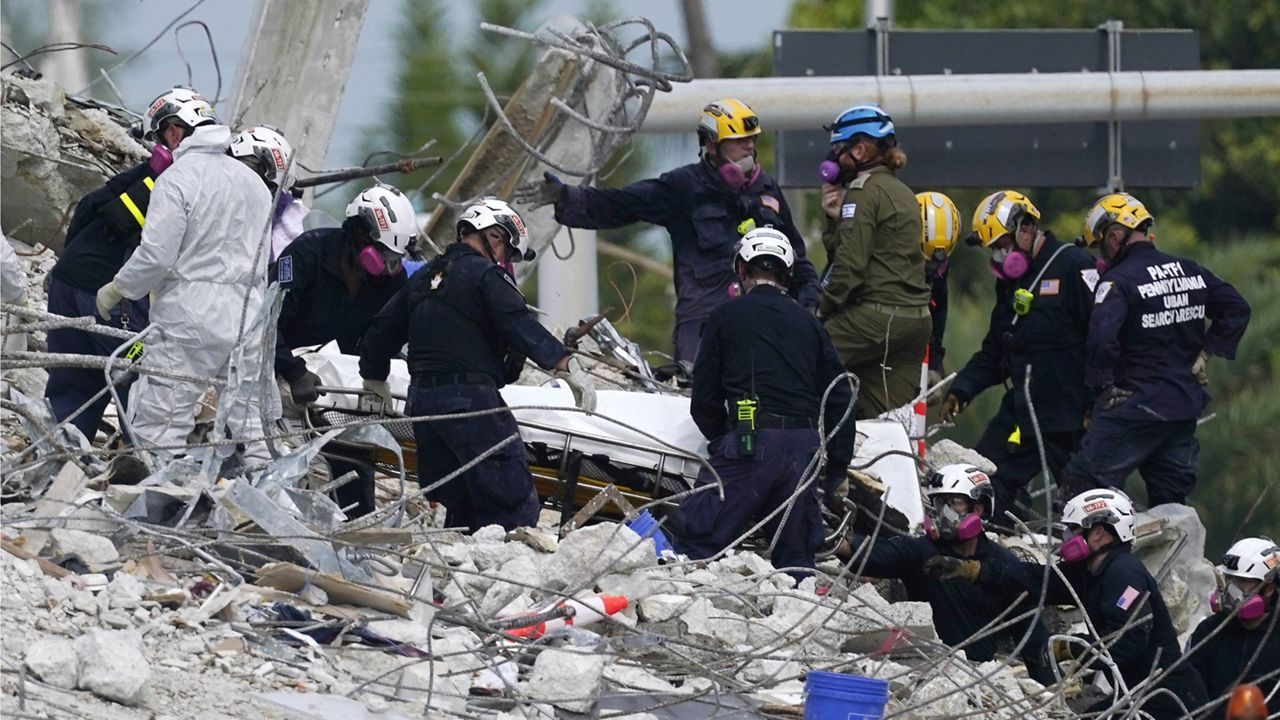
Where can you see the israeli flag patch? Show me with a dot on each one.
(847, 210)
(284, 270)
(1103, 289)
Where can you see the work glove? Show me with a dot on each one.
(584, 391)
(109, 296)
(378, 397)
(951, 407)
(945, 567)
(1112, 396)
(832, 199)
(1197, 367)
(304, 390)
(535, 195)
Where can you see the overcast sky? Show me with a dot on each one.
(130, 24)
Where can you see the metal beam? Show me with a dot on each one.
(806, 103)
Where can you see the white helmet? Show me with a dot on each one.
(491, 211)
(1107, 506)
(272, 151)
(765, 242)
(188, 106)
(944, 522)
(1256, 558)
(388, 215)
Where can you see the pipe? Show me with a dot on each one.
(807, 103)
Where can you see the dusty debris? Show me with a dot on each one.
(111, 665)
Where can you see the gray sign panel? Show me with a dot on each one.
(1154, 154)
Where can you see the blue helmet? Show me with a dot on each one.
(866, 119)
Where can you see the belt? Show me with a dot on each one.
(439, 380)
(911, 312)
(765, 421)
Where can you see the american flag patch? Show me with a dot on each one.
(1127, 597)
(1049, 287)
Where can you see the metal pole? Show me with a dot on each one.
(805, 103)
(873, 11)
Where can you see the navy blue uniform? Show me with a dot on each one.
(102, 233)
(1236, 654)
(1148, 327)
(702, 216)
(938, 312)
(1119, 591)
(320, 307)
(961, 609)
(468, 330)
(1051, 338)
(767, 346)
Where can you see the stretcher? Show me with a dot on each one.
(644, 444)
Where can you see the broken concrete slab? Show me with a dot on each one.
(949, 452)
(659, 608)
(568, 678)
(54, 661)
(595, 550)
(92, 549)
(111, 665)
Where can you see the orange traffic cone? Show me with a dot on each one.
(587, 612)
(1246, 703)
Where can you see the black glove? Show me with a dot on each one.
(944, 567)
(535, 195)
(1112, 396)
(304, 390)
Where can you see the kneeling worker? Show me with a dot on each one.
(1117, 593)
(1240, 642)
(762, 368)
(469, 331)
(960, 496)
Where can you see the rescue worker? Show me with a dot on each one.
(267, 152)
(875, 301)
(960, 498)
(469, 331)
(1118, 594)
(1240, 642)
(706, 208)
(1043, 294)
(105, 229)
(201, 257)
(940, 225)
(1148, 346)
(758, 382)
(336, 280)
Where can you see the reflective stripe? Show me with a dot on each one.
(151, 184)
(133, 209)
(1015, 437)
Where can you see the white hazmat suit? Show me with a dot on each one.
(200, 257)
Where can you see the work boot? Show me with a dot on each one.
(126, 470)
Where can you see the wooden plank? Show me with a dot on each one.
(292, 578)
(66, 487)
(49, 568)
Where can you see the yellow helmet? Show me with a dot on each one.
(727, 118)
(999, 214)
(1116, 208)
(940, 223)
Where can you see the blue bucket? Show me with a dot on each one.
(836, 696)
(645, 526)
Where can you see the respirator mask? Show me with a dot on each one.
(738, 174)
(1226, 599)
(944, 522)
(377, 260)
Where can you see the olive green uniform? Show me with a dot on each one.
(875, 300)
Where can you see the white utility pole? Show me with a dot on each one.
(294, 70)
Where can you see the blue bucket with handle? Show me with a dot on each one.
(837, 696)
(645, 526)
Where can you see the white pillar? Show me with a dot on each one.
(567, 288)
